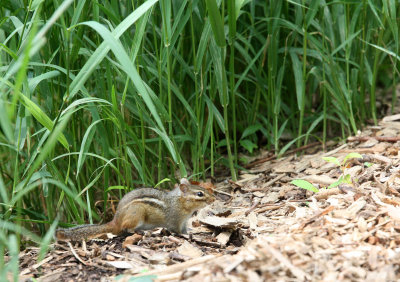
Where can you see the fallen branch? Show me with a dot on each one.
(379, 138)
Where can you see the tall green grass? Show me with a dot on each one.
(100, 96)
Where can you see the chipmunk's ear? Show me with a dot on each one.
(184, 188)
(185, 181)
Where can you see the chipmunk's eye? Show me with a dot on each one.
(200, 194)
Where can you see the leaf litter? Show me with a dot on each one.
(262, 227)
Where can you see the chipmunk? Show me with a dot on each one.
(148, 208)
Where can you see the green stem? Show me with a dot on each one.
(225, 106)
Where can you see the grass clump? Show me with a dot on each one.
(96, 95)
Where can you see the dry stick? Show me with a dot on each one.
(253, 207)
(235, 183)
(76, 255)
(269, 208)
(269, 183)
(222, 192)
(263, 160)
(35, 266)
(379, 138)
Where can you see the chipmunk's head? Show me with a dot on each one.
(197, 195)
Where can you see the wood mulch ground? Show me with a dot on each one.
(262, 227)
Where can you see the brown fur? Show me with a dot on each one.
(146, 209)
(83, 231)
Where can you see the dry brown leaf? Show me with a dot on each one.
(132, 240)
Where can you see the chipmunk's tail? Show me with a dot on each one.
(83, 231)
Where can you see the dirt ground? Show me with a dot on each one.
(262, 227)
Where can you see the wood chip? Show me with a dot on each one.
(223, 238)
(220, 222)
(189, 250)
(179, 267)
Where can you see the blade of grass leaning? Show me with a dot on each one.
(216, 22)
(128, 67)
(101, 51)
(48, 146)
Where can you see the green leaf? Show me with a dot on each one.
(221, 143)
(336, 183)
(116, 187)
(93, 62)
(312, 10)
(352, 156)
(86, 141)
(128, 67)
(304, 184)
(45, 242)
(33, 82)
(216, 22)
(239, 4)
(298, 78)
(147, 278)
(250, 130)
(232, 20)
(42, 117)
(136, 164)
(331, 160)
(367, 164)
(162, 181)
(248, 145)
(287, 146)
(347, 179)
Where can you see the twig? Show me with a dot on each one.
(222, 192)
(235, 183)
(269, 183)
(76, 255)
(35, 266)
(379, 138)
(253, 207)
(269, 208)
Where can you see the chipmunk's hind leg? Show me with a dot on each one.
(133, 218)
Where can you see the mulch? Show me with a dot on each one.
(262, 227)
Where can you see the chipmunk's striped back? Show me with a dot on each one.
(148, 208)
